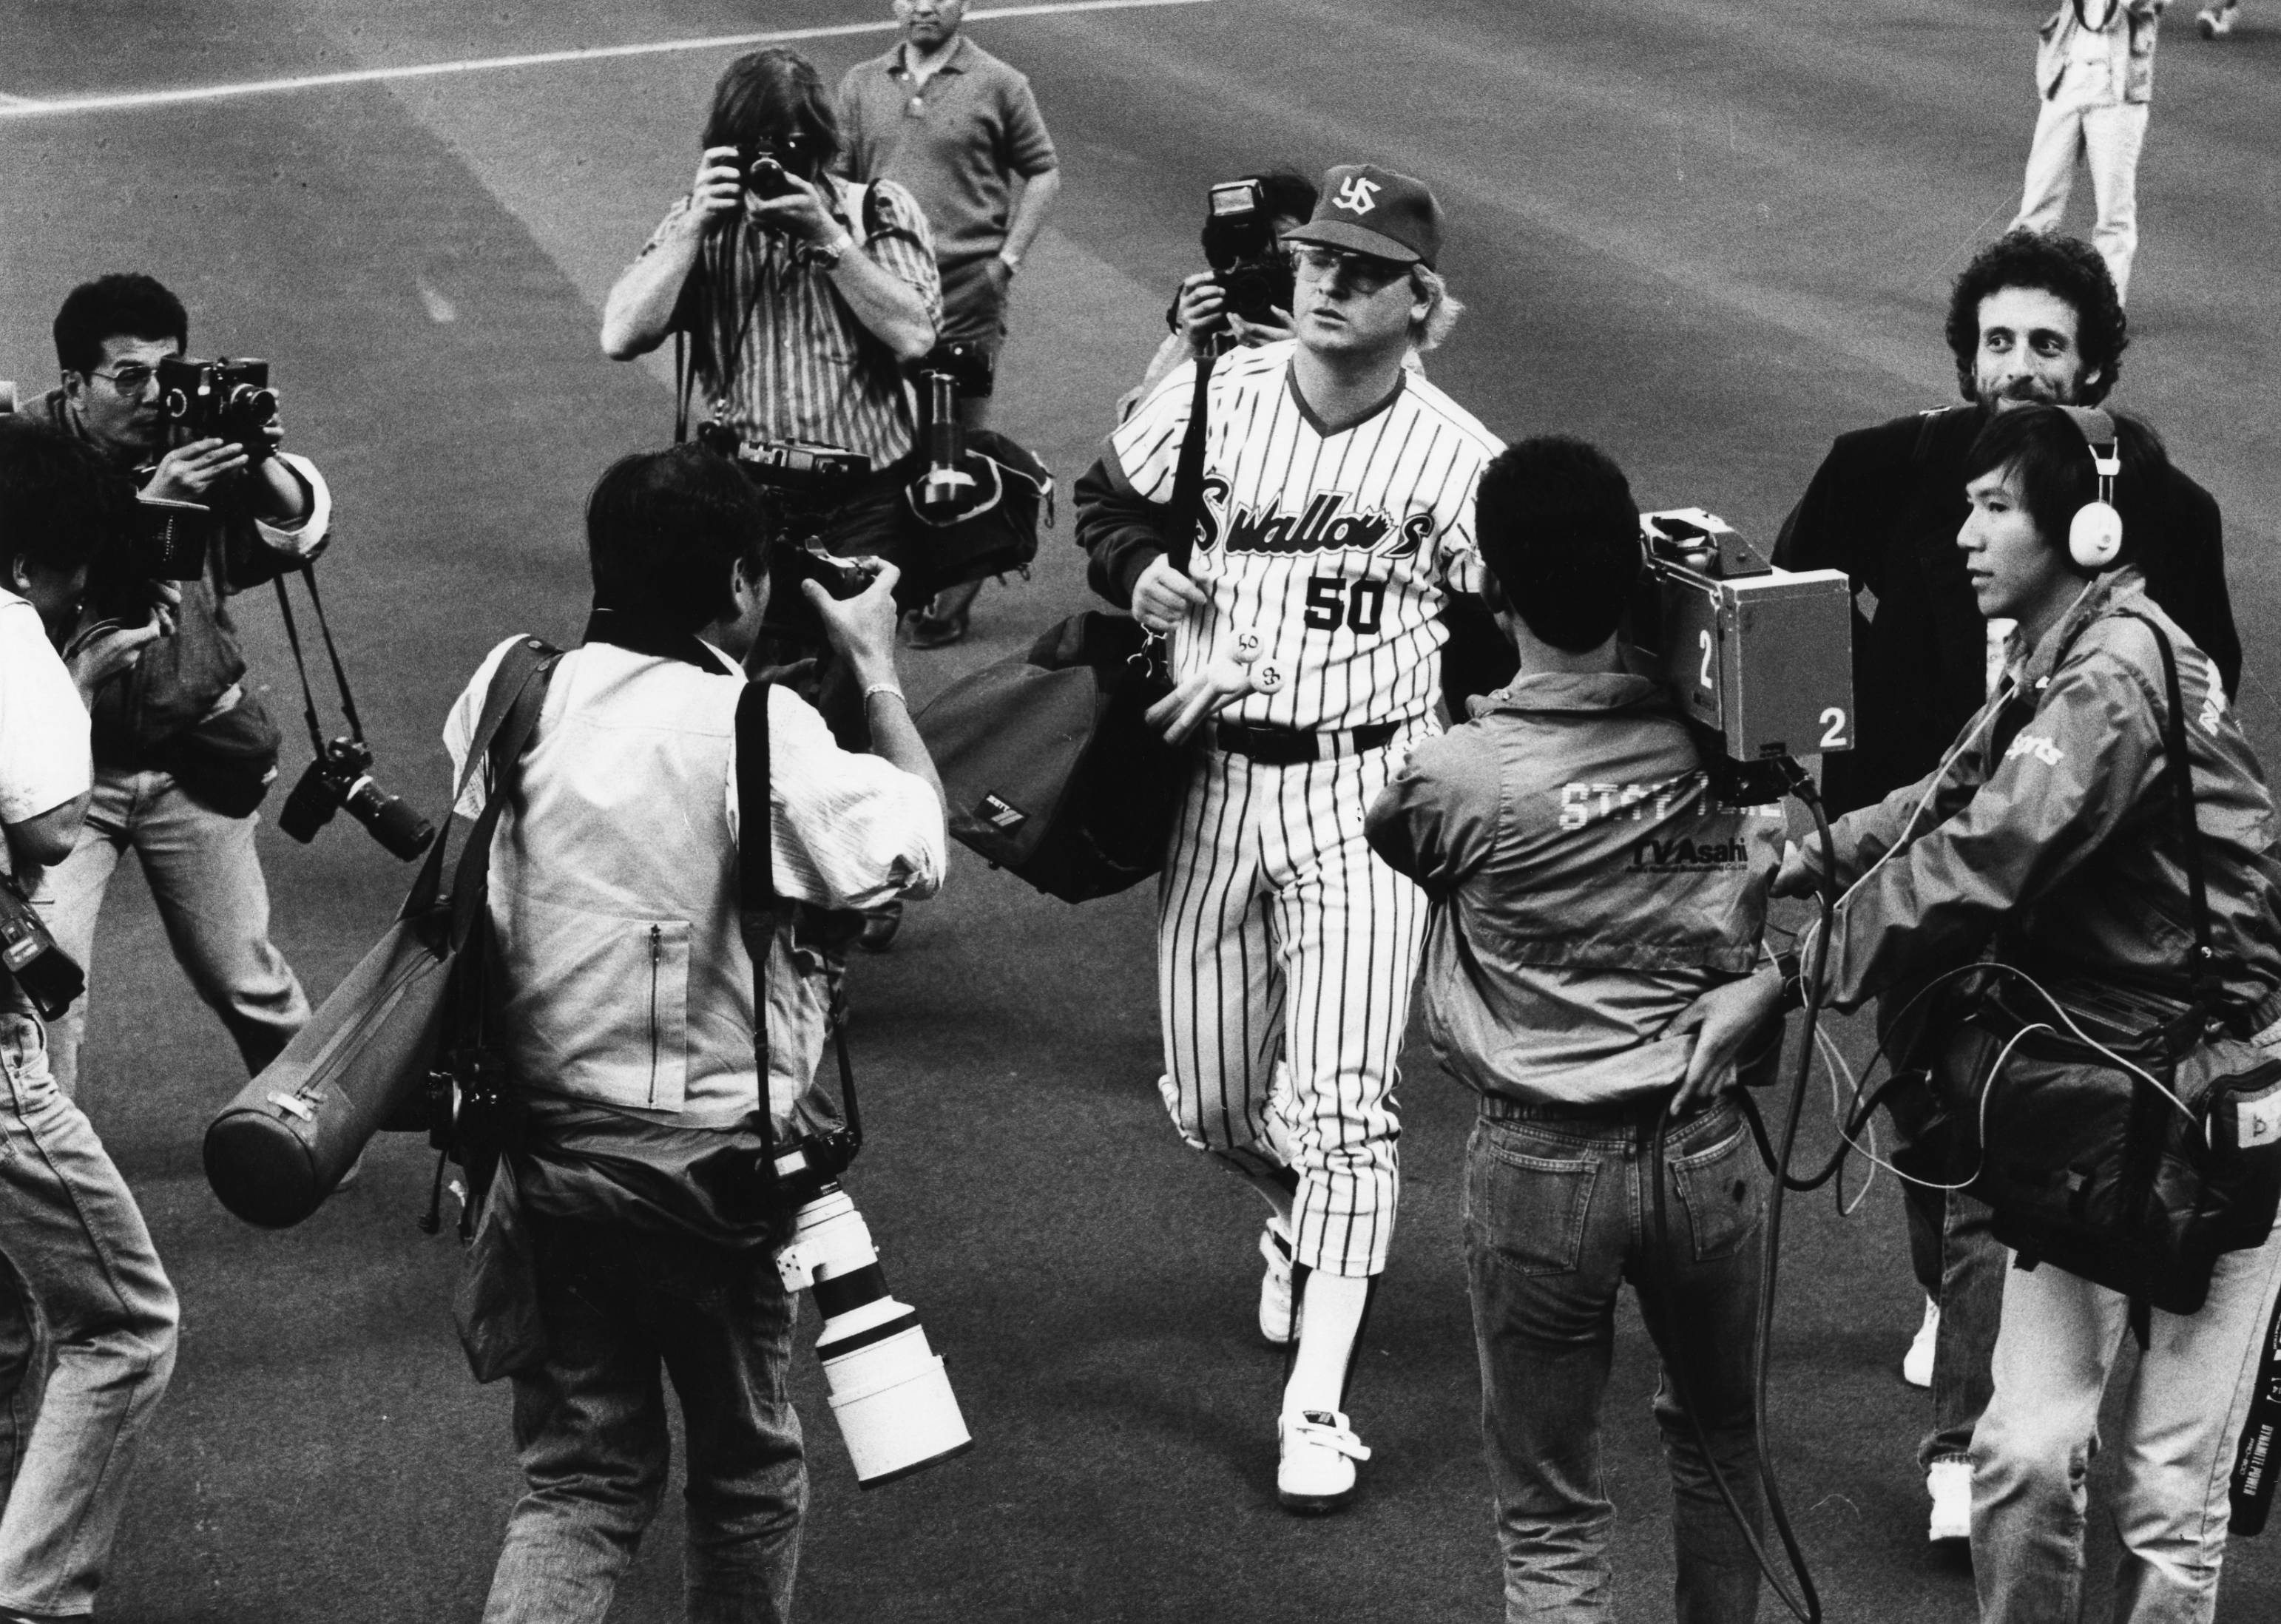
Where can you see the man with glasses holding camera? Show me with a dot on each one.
(184, 750)
(1337, 517)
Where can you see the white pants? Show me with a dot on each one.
(1282, 936)
(2182, 1420)
(2107, 135)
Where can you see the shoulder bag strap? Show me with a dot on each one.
(523, 658)
(2178, 765)
(1188, 474)
(471, 881)
(757, 898)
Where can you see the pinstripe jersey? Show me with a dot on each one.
(762, 308)
(1336, 549)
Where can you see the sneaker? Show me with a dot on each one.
(931, 631)
(2215, 22)
(1916, 1364)
(880, 924)
(1949, 1482)
(1317, 1473)
(1279, 1316)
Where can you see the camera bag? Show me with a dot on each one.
(275, 1151)
(2133, 1159)
(995, 532)
(1049, 768)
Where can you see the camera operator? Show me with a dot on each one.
(800, 307)
(1337, 518)
(1201, 321)
(628, 1023)
(184, 750)
(2049, 838)
(87, 1316)
(1563, 951)
(2031, 320)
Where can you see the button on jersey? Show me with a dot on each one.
(1335, 549)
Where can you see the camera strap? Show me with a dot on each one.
(307, 571)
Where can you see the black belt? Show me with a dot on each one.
(1628, 1112)
(1284, 747)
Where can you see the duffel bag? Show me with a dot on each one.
(2131, 1160)
(276, 1150)
(1049, 770)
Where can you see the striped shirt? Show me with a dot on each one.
(1335, 548)
(777, 352)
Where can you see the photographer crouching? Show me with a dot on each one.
(87, 1316)
(184, 750)
(629, 1025)
(2102, 837)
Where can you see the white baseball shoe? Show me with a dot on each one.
(2216, 21)
(1949, 1482)
(1317, 1473)
(1916, 1364)
(1279, 1315)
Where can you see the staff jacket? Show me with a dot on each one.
(2054, 835)
(2056, 41)
(1886, 507)
(1586, 883)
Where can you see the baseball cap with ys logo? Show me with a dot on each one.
(1367, 210)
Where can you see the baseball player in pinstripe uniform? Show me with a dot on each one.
(1337, 511)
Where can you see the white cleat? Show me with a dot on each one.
(1916, 1364)
(1317, 1473)
(1949, 1482)
(1279, 1315)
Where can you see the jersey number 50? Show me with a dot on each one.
(1332, 601)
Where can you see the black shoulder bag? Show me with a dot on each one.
(1049, 768)
(2133, 1159)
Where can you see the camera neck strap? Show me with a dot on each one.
(760, 907)
(307, 571)
(1188, 474)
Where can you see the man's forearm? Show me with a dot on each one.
(1038, 194)
(896, 737)
(280, 497)
(640, 311)
(889, 307)
(1119, 531)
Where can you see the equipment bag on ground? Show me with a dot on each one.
(276, 1151)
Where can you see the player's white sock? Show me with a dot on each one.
(1330, 1319)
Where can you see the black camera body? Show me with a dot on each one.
(341, 778)
(221, 399)
(762, 163)
(49, 977)
(779, 1181)
(1238, 242)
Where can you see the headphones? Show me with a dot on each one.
(2095, 534)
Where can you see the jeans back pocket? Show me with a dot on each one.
(1720, 1190)
(1528, 1198)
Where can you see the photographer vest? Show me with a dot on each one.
(614, 898)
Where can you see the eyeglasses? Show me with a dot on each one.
(1363, 272)
(130, 380)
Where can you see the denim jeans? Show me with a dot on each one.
(206, 880)
(86, 1337)
(1959, 1263)
(589, 1425)
(2182, 1420)
(1558, 1213)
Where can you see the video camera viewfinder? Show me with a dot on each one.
(1760, 659)
(220, 399)
(1238, 242)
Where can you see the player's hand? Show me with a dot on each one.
(862, 628)
(801, 212)
(1198, 310)
(1722, 1020)
(719, 189)
(1798, 877)
(1278, 326)
(188, 472)
(1163, 597)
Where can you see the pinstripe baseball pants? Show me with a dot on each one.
(1281, 936)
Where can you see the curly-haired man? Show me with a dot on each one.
(2032, 320)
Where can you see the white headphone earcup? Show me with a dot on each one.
(2095, 535)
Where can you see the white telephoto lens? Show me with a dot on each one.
(887, 1386)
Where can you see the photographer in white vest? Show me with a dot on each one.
(627, 1025)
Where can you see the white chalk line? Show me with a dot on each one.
(27, 107)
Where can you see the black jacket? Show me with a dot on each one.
(1886, 507)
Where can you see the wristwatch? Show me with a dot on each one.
(829, 252)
